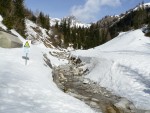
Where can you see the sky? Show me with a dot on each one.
(84, 10)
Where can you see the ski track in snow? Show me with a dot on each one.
(136, 75)
(122, 65)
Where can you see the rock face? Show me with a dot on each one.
(9, 41)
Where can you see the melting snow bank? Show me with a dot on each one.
(30, 89)
(122, 65)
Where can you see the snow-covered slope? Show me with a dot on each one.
(79, 24)
(38, 34)
(53, 21)
(35, 31)
(30, 88)
(123, 66)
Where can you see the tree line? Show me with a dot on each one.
(95, 35)
(80, 37)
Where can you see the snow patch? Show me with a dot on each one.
(33, 31)
(1, 24)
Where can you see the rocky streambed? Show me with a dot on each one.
(70, 78)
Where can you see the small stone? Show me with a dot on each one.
(93, 104)
(86, 81)
(95, 100)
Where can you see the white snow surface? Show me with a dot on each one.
(73, 23)
(53, 21)
(33, 31)
(122, 65)
(79, 24)
(139, 6)
(17, 34)
(30, 88)
(1, 24)
(37, 34)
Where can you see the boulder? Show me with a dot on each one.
(9, 41)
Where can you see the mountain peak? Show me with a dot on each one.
(70, 19)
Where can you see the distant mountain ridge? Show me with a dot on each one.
(134, 18)
(72, 19)
(110, 20)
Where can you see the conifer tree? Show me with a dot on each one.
(19, 8)
(5, 7)
(43, 20)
